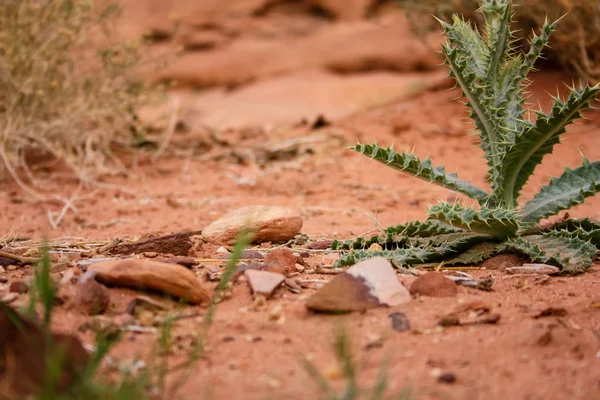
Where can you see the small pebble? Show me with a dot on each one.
(447, 377)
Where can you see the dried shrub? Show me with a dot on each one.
(68, 88)
(575, 45)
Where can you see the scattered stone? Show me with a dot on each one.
(170, 279)
(473, 313)
(144, 302)
(263, 282)
(380, 276)
(246, 254)
(91, 297)
(480, 284)
(67, 276)
(370, 283)
(150, 254)
(212, 274)
(177, 244)
(293, 286)
(447, 377)
(18, 287)
(330, 259)
(55, 277)
(373, 341)
(5, 262)
(269, 224)
(146, 318)
(89, 261)
(188, 262)
(24, 356)
(222, 250)
(544, 269)
(400, 322)
(299, 268)
(299, 259)
(433, 284)
(2, 270)
(282, 261)
(9, 298)
(552, 312)
(320, 245)
(503, 261)
(242, 267)
(12, 267)
(343, 293)
(277, 315)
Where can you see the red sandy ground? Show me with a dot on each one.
(519, 358)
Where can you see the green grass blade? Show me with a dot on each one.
(422, 169)
(320, 380)
(530, 148)
(562, 193)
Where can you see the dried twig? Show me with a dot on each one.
(20, 259)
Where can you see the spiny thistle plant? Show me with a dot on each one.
(492, 75)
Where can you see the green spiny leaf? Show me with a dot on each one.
(476, 254)
(457, 240)
(418, 229)
(468, 44)
(431, 249)
(509, 100)
(422, 169)
(572, 254)
(562, 193)
(498, 223)
(497, 23)
(530, 147)
(536, 46)
(480, 105)
(397, 235)
(509, 93)
(585, 229)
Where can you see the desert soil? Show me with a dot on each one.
(255, 78)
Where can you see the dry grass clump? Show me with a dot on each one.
(67, 89)
(575, 44)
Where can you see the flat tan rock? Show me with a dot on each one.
(270, 224)
(263, 282)
(170, 279)
(368, 284)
